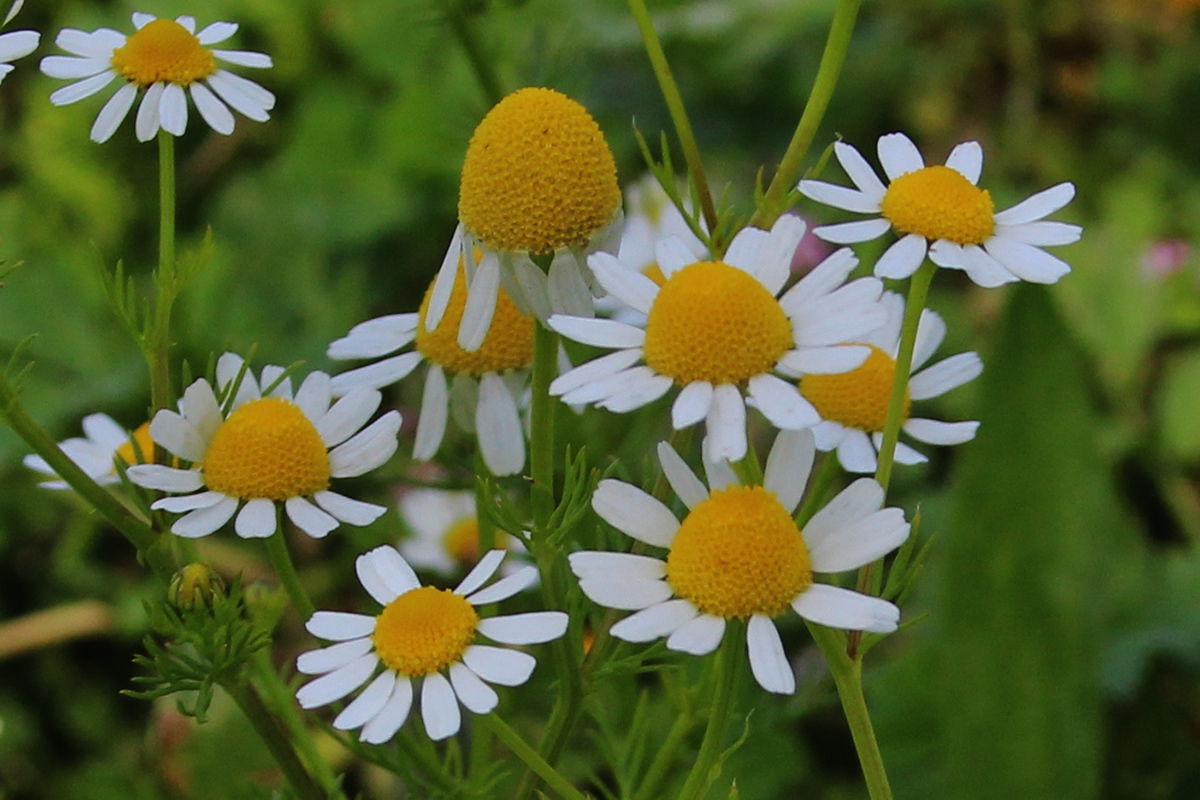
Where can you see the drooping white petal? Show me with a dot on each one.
(256, 520)
(308, 518)
(369, 703)
(172, 110)
(146, 124)
(567, 290)
(635, 513)
(717, 472)
(482, 293)
(856, 453)
(788, 466)
(655, 622)
(443, 284)
(699, 636)
(641, 386)
(768, 663)
(846, 609)
(334, 657)
(338, 626)
(188, 502)
(527, 285)
(937, 432)
(902, 259)
(781, 403)
(367, 449)
(898, 155)
(967, 159)
(904, 454)
(347, 509)
(945, 375)
(435, 407)
(1027, 262)
(499, 665)
(337, 684)
(684, 482)
(113, 113)
(476, 695)
(498, 427)
(244, 96)
(73, 93)
(384, 725)
(594, 370)
(726, 424)
(534, 627)
(204, 521)
(214, 112)
(980, 266)
(439, 707)
(856, 502)
(691, 405)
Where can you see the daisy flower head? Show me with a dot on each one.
(482, 387)
(163, 60)
(738, 554)
(854, 405)
(445, 528)
(103, 441)
(266, 448)
(538, 180)
(15, 44)
(426, 633)
(940, 212)
(720, 332)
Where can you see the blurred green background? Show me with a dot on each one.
(1059, 655)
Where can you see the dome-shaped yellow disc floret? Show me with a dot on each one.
(145, 446)
(509, 341)
(858, 398)
(713, 322)
(424, 630)
(739, 553)
(269, 449)
(163, 51)
(538, 175)
(939, 203)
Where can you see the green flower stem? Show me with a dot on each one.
(281, 560)
(729, 662)
(776, 199)
(487, 528)
(683, 128)
(536, 763)
(818, 488)
(157, 343)
(651, 784)
(541, 415)
(489, 82)
(277, 741)
(281, 702)
(847, 676)
(150, 545)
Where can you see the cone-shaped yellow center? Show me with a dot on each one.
(508, 344)
(939, 203)
(739, 553)
(538, 175)
(145, 445)
(163, 51)
(267, 448)
(713, 322)
(424, 630)
(858, 398)
(461, 541)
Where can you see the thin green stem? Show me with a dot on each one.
(818, 488)
(485, 73)
(847, 677)
(281, 560)
(277, 741)
(775, 199)
(487, 528)
(729, 662)
(282, 704)
(536, 763)
(158, 337)
(651, 784)
(541, 423)
(683, 128)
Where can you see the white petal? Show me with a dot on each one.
(369, 448)
(781, 403)
(481, 572)
(244, 58)
(687, 486)
(839, 197)
(377, 375)
(843, 608)
(348, 415)
(148, 119)
(188, 23)
(861, 230)
(625, 592)
(936, 432)
(655, 622)
(774, 265)
(945, 375)
(69, 67)
(699, 636)
(338, 626)
(602, 564)
(788, 466)
(189, 502)
(349, 510)
(386, 563)
(337, 684)
(898, 155)
(691, 405)
(527, 285)
(75, 92)
(767, 660)
(822, 279)
(246, 97)
(822, 360)
(308, 518)
(726, 424)
(859, 171)
(393, 714)
(1041, 233)
(904, 454)
(854, 503)
(13, 10)
(375, 337)
(368, 704)
(902, 259)
(431, 424)
(1027, 262)
(860, 543)
(256, 519)
(598, 332)
(931, 330)
(628, 285)
(967, 159)
(177, 435)
(717, 472)
(594, 370)
(142, 19)
(744, 249)
(214, 112)
(443, 284)
(1037, 206)
(534, 627)
(99, 43)
(216, 32)
(498, 427)
(314, 395)
(505, 588)
(672, 254)
(498, 665)
(334, 657)
(476, 695)
(635, 513)
(172, 110)
(204, 521)
(165, 479)
(856, 453)
(113, 113)
(641, 386)
(567, 290)
(477, 315)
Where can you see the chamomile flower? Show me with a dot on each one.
(267, 451)
(853, 405)
(538, 180)
(483, 387)
(103, 441)
(160, 60)
(445, 528)
(738, 554)
(718, 331)
(422, 633)
(15, 44)
(940, 211)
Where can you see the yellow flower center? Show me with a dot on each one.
(538, 175)
(163, 51)
(739, 553)
(424, 630)
(461, 541)
(267, 448)
(713, 322)
(509, 341)
(939, 203)
(858, 398)
(145, 445)
(654, 272)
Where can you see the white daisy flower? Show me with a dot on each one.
(483, 388)
(445, 528)
(717, 330)
(160, 60)
(103, 441)
(15, 44)
(853, 405)
(538, 180)
(940, 211)
(738, 553)
(267, 451)
(426, 633)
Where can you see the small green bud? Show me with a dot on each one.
(196, 585)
